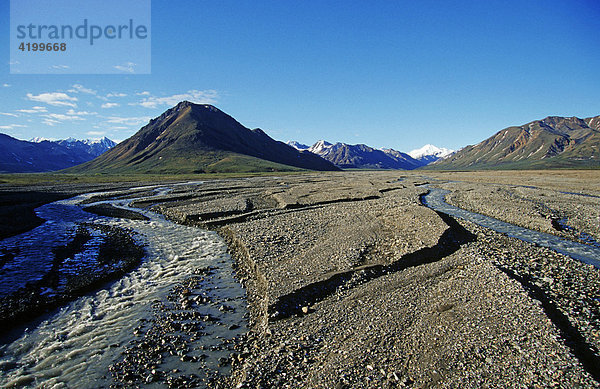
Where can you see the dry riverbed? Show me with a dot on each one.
(352, 282)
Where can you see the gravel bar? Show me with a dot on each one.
(352, 282)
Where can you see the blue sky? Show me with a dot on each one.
(101, 37)
(385, 73)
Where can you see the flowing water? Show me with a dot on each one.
(31, 252)
(590, 254)
(75, 345)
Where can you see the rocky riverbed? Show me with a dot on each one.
(352, 282)
(167, 320)
(115, 254)
(571, 215)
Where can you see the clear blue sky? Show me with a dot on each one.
(385, 73)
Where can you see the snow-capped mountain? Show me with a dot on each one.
(101, 141)
(42, 155)
(92, 147)
(104, 140)
(322, 147)
(430, 153)
(39, 139)
(297, 145)
(362, 156)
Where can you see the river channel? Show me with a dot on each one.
(76, 345)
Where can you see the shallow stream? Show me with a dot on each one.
(590, 254)
(75, 345)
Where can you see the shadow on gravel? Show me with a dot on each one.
(329, 202)
(583, 351)
(450, 241)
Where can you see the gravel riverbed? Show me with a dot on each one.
(352, 282)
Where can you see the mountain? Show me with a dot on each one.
(403, 158)
(197, 138)
(362, 156)
(553, 142)
(19, 156)
(297, 145)
(38, 139)
(93, 147)
(322, 147)
(429, 153)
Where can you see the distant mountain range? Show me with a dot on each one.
(361, 156)
(43, 155)
(364, 157)
(553, 142)
(200, 138)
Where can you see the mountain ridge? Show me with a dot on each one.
(43, 155)
(361, 156)
(297, 145)
(425, 155)
(552, 142)
(200, 138)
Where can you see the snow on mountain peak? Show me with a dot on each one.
(430, 150)
(100, 141)
(320, 147)
(38, 139)
(297, 145)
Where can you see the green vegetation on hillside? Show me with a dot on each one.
(191, 138)
(191, 162)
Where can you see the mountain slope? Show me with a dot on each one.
(193, 138)
(554, 142)
(429, 154)
(18, 156)
(362, 156)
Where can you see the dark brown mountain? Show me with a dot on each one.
(197, 138)
(554, 142)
